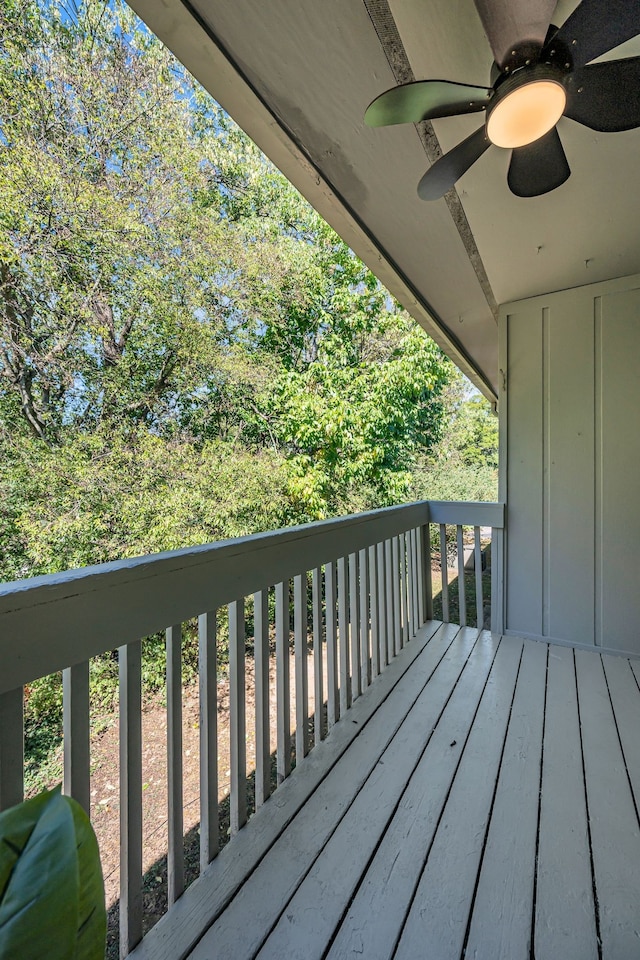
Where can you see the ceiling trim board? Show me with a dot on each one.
(181, 28)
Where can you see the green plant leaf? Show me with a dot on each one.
(92, 915)
(39, 901)
(51, 887)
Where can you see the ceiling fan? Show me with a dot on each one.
(541, 73)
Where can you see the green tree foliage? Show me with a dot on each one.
(187, 351)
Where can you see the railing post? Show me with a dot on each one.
(497, 580)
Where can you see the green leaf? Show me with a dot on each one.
(51, 889)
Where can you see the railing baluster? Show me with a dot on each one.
(427, 584)
(413, 540)
(411, 626)
(333, 706)
(282, 681)
(318, 693)
(462, 594)
(354, 625)
(237, 716)
(11, 748)
(477, 563)
(208, 694)
(404, 588)
(388, 579)
(343, 634)
(175, 856)
(300, 627)
(261, 667)
(130, 735)
(397, 609)
(374, 609)
(75, 733)
(382, 608)
(444, 573)
(365, 663)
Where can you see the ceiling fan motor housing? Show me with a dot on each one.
(526, 104)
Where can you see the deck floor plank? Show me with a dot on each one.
(310, 918)
(615, 838)
(242, 928)
(503, 907)
(376, 914)
(565, 913)
(437, 919)
(479, 800)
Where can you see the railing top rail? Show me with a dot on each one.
(51, 622)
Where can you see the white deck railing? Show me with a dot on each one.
(366, 580)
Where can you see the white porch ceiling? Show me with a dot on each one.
(298, 75)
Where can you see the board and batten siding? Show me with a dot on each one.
(570, 464)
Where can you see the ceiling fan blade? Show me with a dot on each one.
(599, 95)
(539, 167)
(443, 174)
(596, 26)
(511, 23)
(425, 100)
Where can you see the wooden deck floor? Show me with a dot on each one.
(479, 801)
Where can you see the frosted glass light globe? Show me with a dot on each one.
(526, 113)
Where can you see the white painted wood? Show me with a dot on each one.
(404, 590)
(374, 611)
(365, 634)
(477, 563)
(377, 911)
(397, 609)
(208, 705)
(300, 627)
(388, 582)
(130, 737)
(413, 539)
(437, 919)
(444, 573)
(175, 800)
(261, 668)
(503, 905)
(205, 899)
(354, 625)
(615, 837)
(498, 582)
(11, 748)
(73, 616)
(75, 733)
(318, 666)
(625, 701)
(249, 917)
(409, 561)
(343, 635)
(565, 912)
(382, 607)
(283, 691)
(237, 716)
(427, 580)
(333, 704)
(304, 931)
(462, 593)
(467, 513)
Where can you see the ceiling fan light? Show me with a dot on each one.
(525, 114)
